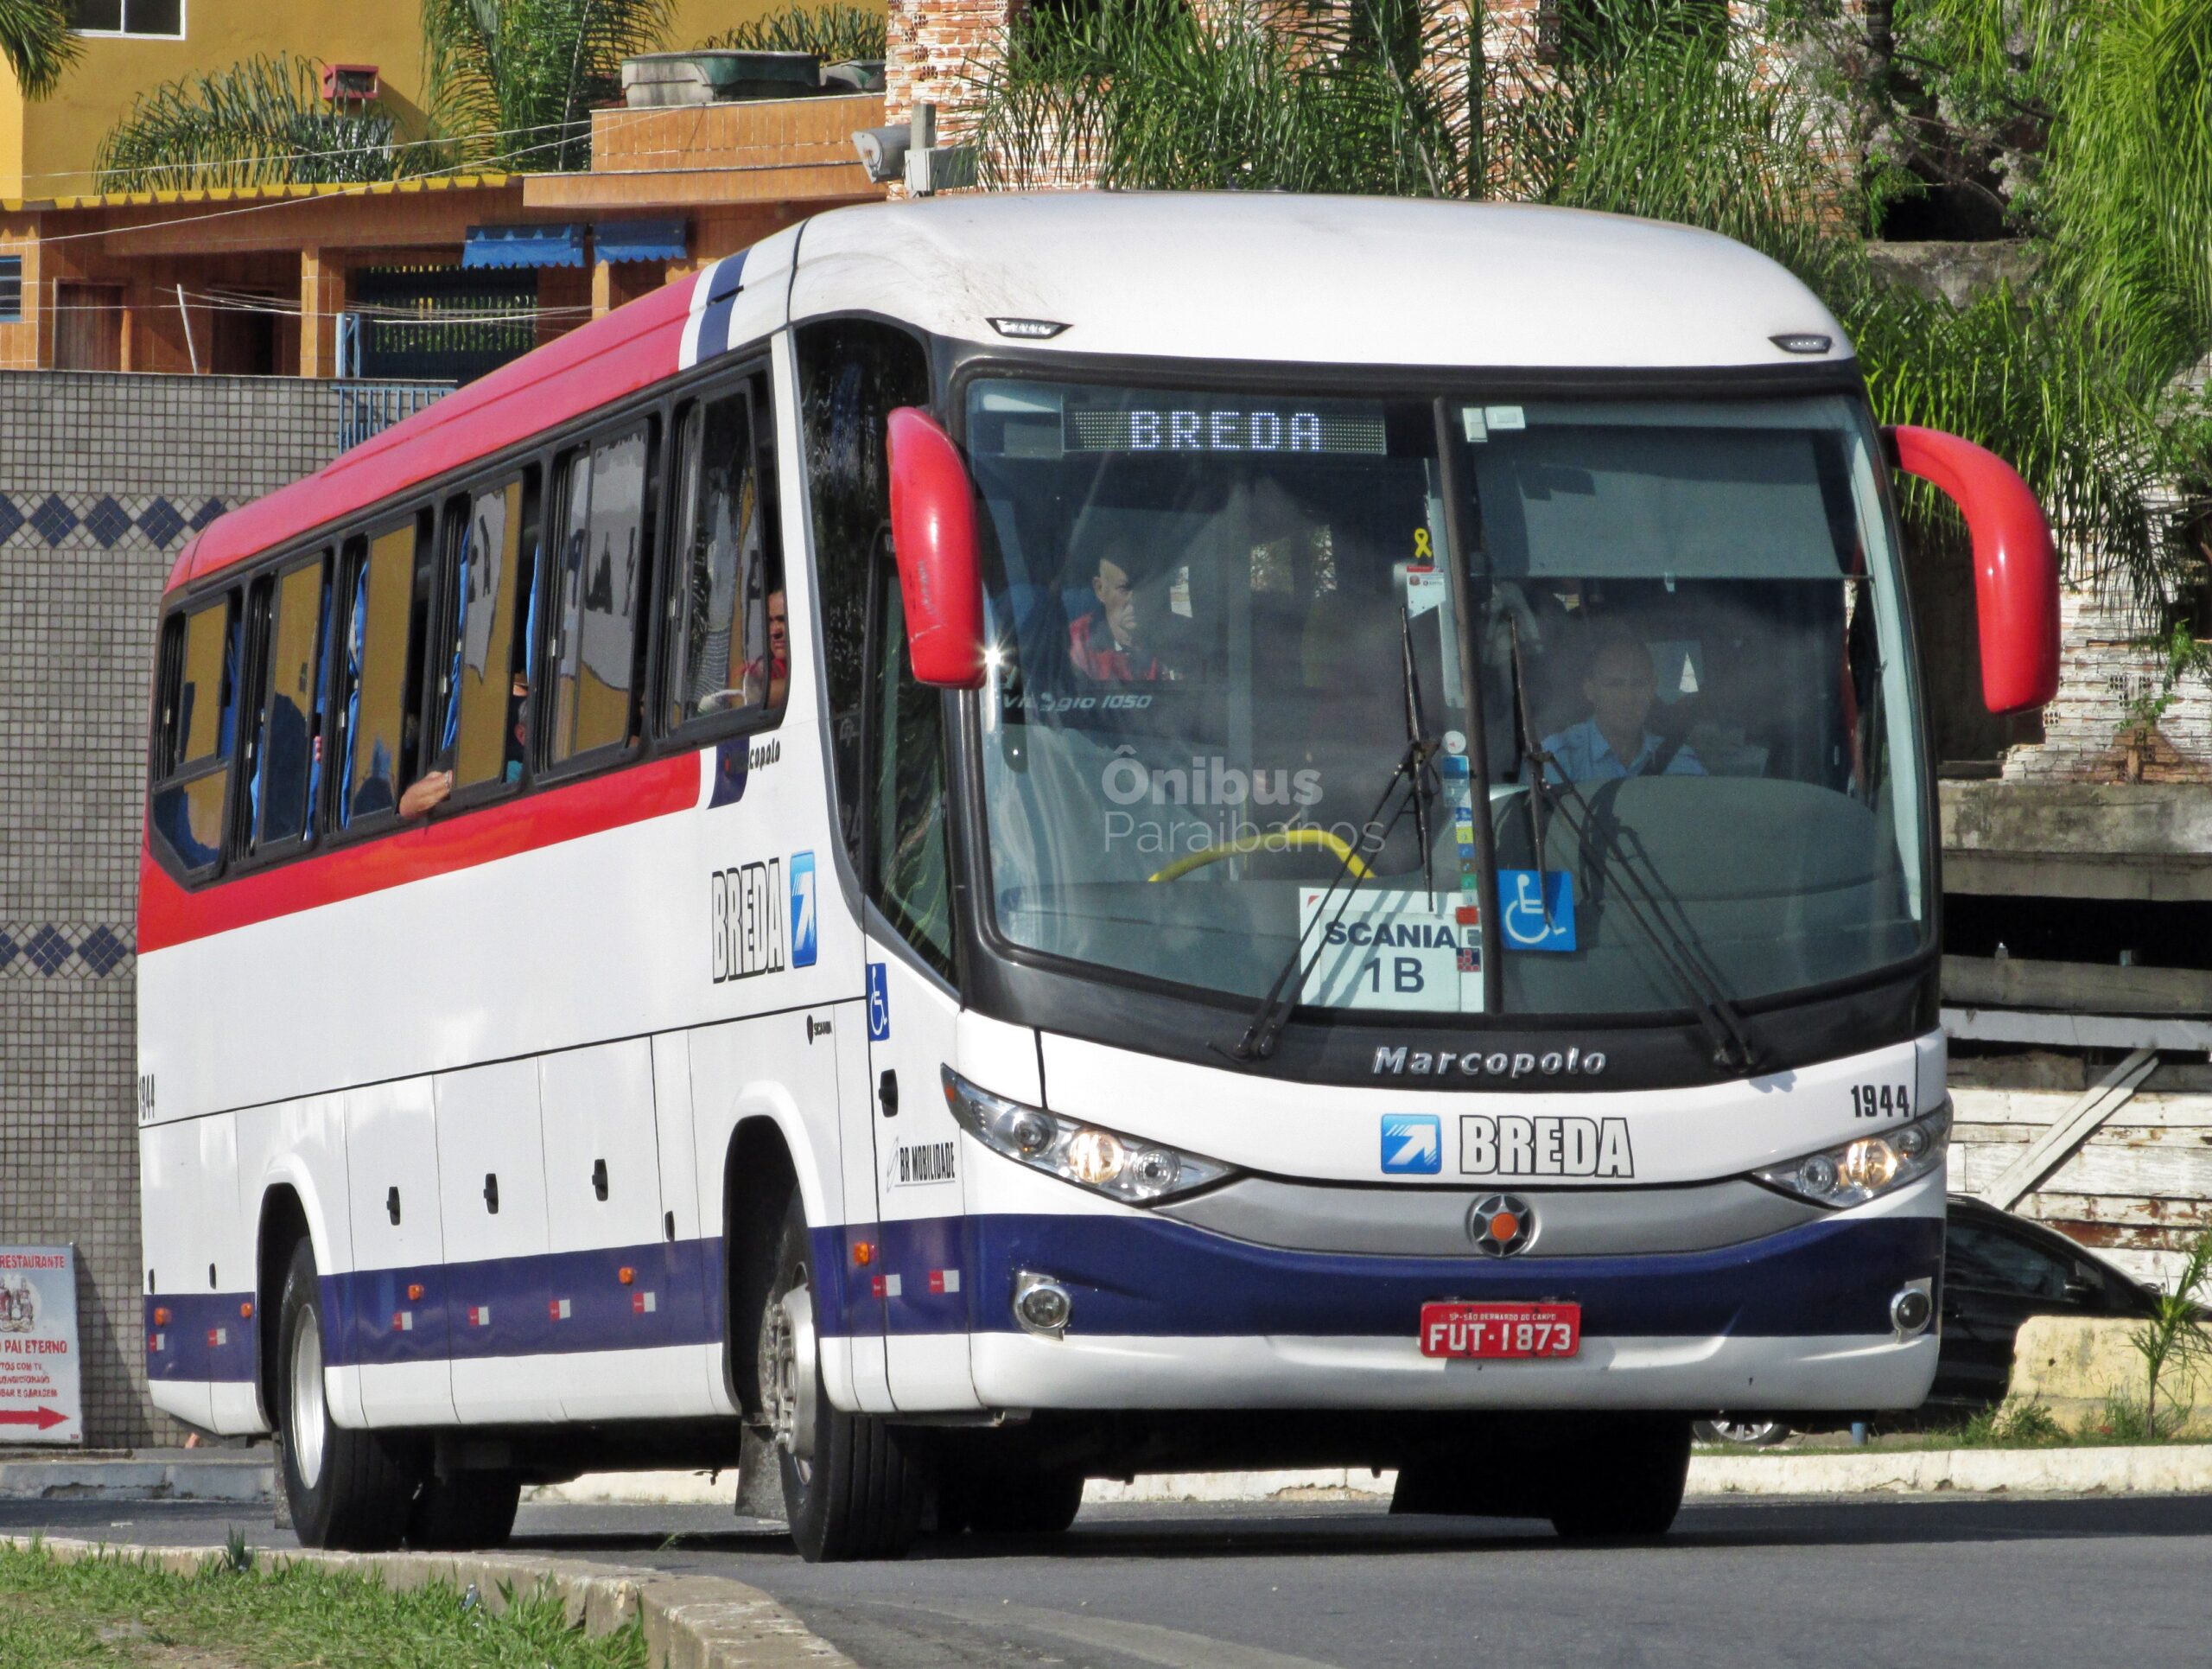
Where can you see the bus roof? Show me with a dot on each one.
(1218, 277)
(1268, 275)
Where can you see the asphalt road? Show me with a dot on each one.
(2121, 1581)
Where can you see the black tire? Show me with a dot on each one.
(466, 1512)
(994, 1500)
(1624, 1482)
(347, 1490)
(861, 1495)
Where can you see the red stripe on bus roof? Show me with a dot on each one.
(631, 348)
(168, 914)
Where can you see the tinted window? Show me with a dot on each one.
(284, 765)
(1989, 1257)
(909, 871)
(484, 683)
(11, 288)
(602, 574)
(198, 723)
(852, 372)
(729, 642)
(374, 676)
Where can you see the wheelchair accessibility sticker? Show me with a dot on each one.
(1535, 909)
(879, 1003)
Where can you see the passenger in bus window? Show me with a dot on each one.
(1620, 687)
(1107, 644)
(768, 678)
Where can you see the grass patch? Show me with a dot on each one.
(117, 1613)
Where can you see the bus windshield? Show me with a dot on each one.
(1219, 621)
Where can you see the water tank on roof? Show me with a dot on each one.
(716, 77)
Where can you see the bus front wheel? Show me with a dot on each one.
(853, 1483)
(1624, 1482)
(348, 1489)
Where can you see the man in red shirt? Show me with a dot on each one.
(1107, 645)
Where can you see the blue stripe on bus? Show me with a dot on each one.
(724, 281)
(201, 1336)
(1144, 1277)
(1152, 1277)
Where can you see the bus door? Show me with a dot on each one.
(911, 1008)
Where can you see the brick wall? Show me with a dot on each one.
(2092, 730)
(102, 479)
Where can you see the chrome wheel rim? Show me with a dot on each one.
(787, 1375)
(309, 1419)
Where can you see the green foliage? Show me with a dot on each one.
(263, 122)
(2173, 1340)
(36, 41)
(64, 1615)
(834, 32)
(2012, 1425)
(511, 83)
(1147, 94)
(1655, 108)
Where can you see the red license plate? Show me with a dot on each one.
(1500, 1332)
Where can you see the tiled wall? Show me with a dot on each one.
(102, 477)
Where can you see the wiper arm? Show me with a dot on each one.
(1266, 1024)
(1733, 1048)
(1424, 787)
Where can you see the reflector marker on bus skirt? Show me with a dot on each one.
(945, 1280)
(560, 1309)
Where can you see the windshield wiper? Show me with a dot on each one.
(1733, 1048)
(1266, 1024)
(1417, 770)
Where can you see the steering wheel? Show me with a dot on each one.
(1279, 840)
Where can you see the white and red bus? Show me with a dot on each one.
(1007, 840)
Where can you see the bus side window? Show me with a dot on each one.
(198, 732)
(292, 618)
(851, 374)
(480, 697)
(728, 649)
(910, 865)
(379, 589)
(597, 645)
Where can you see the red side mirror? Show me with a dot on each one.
(2015, 568)
(933, 536)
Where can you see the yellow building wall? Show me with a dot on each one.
(46, 148)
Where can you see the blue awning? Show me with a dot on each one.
(524, 246)
(617, 241)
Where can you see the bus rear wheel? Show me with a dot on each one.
(468, 1511)
(853, 1483)
(1624, 1482)
(349, 1490)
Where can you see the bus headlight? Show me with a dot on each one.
(1852, 1172)
(1119, 1167)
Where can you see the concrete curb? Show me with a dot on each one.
(691, 1623)
(135, 1480)
(2165, 1468)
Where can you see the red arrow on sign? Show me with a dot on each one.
(43, 1418)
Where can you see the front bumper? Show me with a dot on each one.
(1166, 1315)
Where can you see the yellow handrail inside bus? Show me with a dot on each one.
(1278, 840)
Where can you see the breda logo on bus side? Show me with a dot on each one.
(746, 906)
(1547, 1145)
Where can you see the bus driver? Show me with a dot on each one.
(1107, 644)
(1620, 687)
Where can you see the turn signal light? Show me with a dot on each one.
(625, 1276)
(414, 1291)
(863, 1253)
(245, 1311)
(160, 1317)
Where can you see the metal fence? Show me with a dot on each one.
(366, 409)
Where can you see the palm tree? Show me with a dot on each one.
(512, 83)
(263, 122)
(36, 40)
(833, 33)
